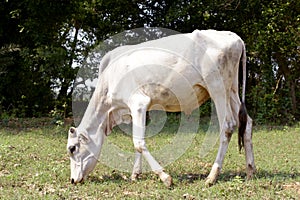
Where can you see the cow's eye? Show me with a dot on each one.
(72, 132)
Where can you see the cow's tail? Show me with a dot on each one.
(243, 111)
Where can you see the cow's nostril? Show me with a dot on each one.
(72, 149)
(72, 181)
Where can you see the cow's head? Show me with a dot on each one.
(82, 160)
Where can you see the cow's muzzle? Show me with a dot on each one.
(75, 182)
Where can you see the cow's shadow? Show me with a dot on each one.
(225, 176)
(114, 177)
(230, 175)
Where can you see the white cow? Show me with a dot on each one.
(179, 73)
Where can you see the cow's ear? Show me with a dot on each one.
(84, 139)
(72, 132)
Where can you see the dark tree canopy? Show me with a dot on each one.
(41, 42)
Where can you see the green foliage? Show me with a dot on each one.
(274, 51)
(43, 42)
(58, 115)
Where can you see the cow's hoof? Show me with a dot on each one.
(165, 178)
(250, 172)
(209, 182)
(135, 176)
(168, 181)
(212, 177)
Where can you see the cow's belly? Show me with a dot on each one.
(172, 99)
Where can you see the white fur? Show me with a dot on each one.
(179, 73)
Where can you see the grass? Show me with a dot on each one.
(34, 165)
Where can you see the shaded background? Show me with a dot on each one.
(43, 43)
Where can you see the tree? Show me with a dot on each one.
(32, 26)
(273, 46)
(42, 44)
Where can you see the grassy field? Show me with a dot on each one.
(34, 165)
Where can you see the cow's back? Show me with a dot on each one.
(173, 71)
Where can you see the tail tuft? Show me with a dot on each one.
(242, 125)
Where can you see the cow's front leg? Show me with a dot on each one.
(137, 168)
(138, 107)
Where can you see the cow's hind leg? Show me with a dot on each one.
(250, 166)
(217, 166)
(248, 146)
(138, 106)
(227, 124)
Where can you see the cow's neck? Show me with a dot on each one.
(94, 122)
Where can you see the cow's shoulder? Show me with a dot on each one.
(109, 56)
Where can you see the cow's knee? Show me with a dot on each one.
(139, 145)
(229, 128)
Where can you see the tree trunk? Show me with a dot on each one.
(68, 77)
(283, 67)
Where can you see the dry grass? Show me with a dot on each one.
(34, 165)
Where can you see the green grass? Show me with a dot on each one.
(34, 165)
